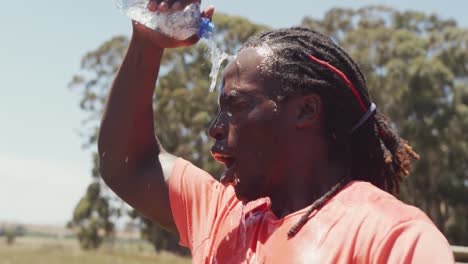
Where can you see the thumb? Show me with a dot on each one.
(208, 12)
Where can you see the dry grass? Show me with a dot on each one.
(27, 250)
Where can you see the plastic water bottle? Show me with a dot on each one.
(179, 25)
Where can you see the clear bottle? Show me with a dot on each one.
(179, 25)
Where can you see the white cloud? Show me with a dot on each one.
(40, 190)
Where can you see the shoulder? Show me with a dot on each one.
(388, 228)
(366, 200)
(184, 173)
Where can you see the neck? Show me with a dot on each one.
(305, 182)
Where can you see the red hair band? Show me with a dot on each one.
(368, 111)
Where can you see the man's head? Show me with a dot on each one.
(283, 81)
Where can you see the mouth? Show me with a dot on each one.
(228, 177)
(226, 159)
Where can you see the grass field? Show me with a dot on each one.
(29, 250)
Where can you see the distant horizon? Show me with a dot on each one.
(44, 169)
(118, 229)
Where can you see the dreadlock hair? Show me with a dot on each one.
(304, 61)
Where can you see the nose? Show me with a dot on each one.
(218, 130)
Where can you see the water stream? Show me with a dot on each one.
(217, 58)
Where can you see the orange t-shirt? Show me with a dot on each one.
(361, 224)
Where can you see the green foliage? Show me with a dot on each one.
(416, 69)
(10, 235)
(89, 236)
(161, 238)
(92, 217)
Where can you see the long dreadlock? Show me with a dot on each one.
(304, 62)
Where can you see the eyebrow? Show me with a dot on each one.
(237, 94)
(233, 94)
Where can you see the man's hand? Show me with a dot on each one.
(169, 5)
(159, 39)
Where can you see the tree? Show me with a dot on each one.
(416, 68)
(92, 217)
(415, 65)
(11, 232)
(10, 235)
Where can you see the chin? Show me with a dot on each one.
(244, 197)
(249, 188)
(240, 197)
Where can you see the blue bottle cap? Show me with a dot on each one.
(206, 28)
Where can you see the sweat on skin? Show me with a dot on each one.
(277, 164)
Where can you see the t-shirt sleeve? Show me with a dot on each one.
(194, 197)
(414, 242)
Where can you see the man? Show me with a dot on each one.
(308, 159)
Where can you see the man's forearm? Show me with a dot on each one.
(126, 137)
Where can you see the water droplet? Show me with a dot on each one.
(242, 225)
(238, 64)
(229, 212)
(126, 159)
(229, 114)
(275, 106)
(227, 238)
(103, 154)
(333, 135)
(264, 51)
(253, 259)
(236, 180)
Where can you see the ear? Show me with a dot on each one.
(309, 111)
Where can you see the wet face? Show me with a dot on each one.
(250, 128)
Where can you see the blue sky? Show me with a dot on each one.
(43, 168)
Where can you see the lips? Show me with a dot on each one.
(222, 156)
(228, 177)
(227, 160)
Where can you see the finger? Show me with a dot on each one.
(208, 12)
(163, 7)
(177, 6)
(170, 4)
(188, 2)
(152, 6)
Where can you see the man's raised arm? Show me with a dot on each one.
(132, 162)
